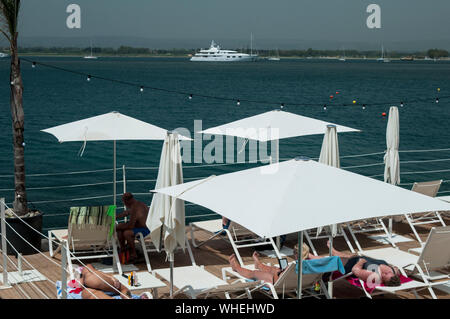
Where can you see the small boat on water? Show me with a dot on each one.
(3, 55)
(342, 58)
(407, 58)
(91, 56)
(216, 54)
(427, 58)
(275, 58)
(383, 58)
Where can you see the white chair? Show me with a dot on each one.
(89, 235)
(196, 282)
(434, 257)
(238, 236)
(430, 189)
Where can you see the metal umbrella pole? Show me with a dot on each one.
(300, 265)
(330, 283)
(114, 171)
(171, 259)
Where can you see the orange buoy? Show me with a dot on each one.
(384, 113)
(337, 92)
(331, 96)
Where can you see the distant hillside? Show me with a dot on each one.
(142, 51)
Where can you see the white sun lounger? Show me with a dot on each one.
(312, 235)
(434, 256)
(430, 189)
(286, 283)
(197, 283)
(237, 235)
(146, 280)
(374, 225)
(413, 286)
(86, 241)
(148, 246)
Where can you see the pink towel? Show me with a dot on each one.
(353, 280)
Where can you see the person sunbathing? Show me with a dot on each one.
(98, 285)
(269, 274)
(368, 269)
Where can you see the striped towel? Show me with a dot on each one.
(94, 216)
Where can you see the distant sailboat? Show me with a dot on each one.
(383, 59)
(91, 56)
(275, 58)
(254, 57)
(342, 58)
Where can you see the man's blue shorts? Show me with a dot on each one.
(143, 230)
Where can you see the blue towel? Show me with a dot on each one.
(116, 296)
(322, 265)
(70, 294)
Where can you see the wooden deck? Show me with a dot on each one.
(214, 256)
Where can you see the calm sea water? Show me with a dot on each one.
(52, 97)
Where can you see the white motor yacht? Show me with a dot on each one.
(216, 54)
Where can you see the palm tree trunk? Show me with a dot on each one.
(17, 113)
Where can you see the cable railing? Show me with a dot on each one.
(72, 255)
(204, 213)
(132, 180)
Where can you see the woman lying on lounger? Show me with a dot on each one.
(365, 268)
(369, 269)
(269, 274)
(96, 285)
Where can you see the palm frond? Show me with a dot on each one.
(9, 14)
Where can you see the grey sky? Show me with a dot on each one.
(406, 24)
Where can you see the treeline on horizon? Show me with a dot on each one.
(127, 50)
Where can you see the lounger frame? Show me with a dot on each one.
(237, 235)
(286, 283)
(312, 235)
(421, 266)
(430, 189)
(148, 247)
(374, 225)
(98, 245)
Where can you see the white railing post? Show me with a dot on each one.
(64, 269)
(124, 179)
(4, 247)
(19, 264)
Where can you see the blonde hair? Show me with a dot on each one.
(305, 250)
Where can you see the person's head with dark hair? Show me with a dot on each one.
(390, 276)
(127, 198)
(393, 282)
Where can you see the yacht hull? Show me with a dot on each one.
(223, 59)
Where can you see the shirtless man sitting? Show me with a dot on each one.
(126, 232)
